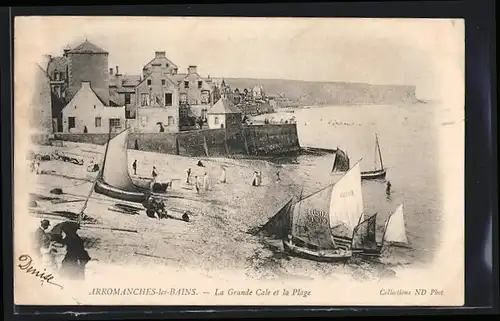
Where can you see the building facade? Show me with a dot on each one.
(157, 97)
(87, 113)
(224, 114)
(41, 103)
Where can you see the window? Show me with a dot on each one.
(149, 82)
(183, 98)
(145, 99)
(200, 84)
(166, 65)
(114, 123)
(127, 98)
(98, 122)
(71, 122)
(204, 114)
(168, 99)
(163, 82)
(216, 120)
(186, 84)
(170, 120)
(205, 97)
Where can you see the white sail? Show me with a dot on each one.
(346, 201)
(395, 230)
(115, 167)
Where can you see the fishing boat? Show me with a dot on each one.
(311, 227)
(341, 162)
(379, 172)
(364, 238)
(113, 179)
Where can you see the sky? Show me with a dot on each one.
(427, 53)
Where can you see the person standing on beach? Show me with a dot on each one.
(206, 182)
(134, 166)
(154, 173)
(255, 179)
(388, 188)
(41, 237)
(222, 178)
(259, 178)
(188, 175)
(197, 185)
(278, 176)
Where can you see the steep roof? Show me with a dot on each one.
(224, 106)
(58, 63)
(88, 48)
(127, 80)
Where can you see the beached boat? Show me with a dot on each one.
(379, 172)
(113, 180)
(364, 237)
(319, 227)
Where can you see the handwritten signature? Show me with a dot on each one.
(44, 277)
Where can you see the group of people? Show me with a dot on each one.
(35, 166)
(205, 184)
(47, 244)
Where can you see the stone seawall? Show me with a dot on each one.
(250, 140)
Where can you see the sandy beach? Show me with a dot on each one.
(217, 236)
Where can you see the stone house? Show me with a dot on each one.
(87, 113)
(224, 114)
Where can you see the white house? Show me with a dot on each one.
(87, 113)
(224, 114)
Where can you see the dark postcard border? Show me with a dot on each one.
(480, 176)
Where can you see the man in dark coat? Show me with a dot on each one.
(41, 237)
(73, 264)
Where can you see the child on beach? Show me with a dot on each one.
(197, 185)
(255, 179)
(154, 173)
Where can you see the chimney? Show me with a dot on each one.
(117, 72)
(192, 69)
(160, 54)
(111, 71)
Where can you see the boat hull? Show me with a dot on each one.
(377, 174)
(328, 256)
(113, 192)
(368, 252)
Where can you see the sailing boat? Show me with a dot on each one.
(378, 172)
(341, 162)
(309, 228)
(113, 180)
(364, 238)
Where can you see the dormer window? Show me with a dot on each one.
(163, 82)
(186, 84)
(200, 84)
(149, 82)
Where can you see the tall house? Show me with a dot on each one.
(157, 96)
(88, 63)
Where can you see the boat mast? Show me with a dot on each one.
(81, 214)
(379, 153)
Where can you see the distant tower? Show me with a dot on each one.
(87, 62)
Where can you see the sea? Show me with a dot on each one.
(408, 138)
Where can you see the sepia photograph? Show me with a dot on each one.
(238, 161)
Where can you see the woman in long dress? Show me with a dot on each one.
(222, 178)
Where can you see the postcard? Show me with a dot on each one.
(238, 161)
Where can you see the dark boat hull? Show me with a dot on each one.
(113, 192)
(368, 252)
(378, 174)
(328, 256)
